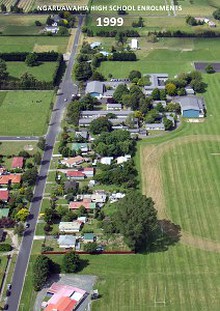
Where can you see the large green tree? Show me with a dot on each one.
(30, 176)
(3, 71)
(99, 125)
(120, 91)
(70, 262)
(136, 219)
(41, 272)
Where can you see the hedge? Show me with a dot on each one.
(5, 248)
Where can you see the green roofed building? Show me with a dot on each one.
(84, 147)
(4, 212)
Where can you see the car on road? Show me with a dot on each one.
(9, 286)
(8, 292)
(27, 225)
(5, 306)
(65, 100)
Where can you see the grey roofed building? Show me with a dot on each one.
(190, 102)
(82, 134)
(157, 81)
(108, 93)
(114, 106)
(95, 88)
(66, 241)
(155, 126)
(101, 113)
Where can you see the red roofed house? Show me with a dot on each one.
(75, 175)
(4, 195)
(14, 178)
(17, 162)
(64, 298)
(87, 204)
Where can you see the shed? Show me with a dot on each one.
(89, 237)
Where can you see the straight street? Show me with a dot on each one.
(67, 88)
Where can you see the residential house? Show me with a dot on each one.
(75, 175)
(17, 162)
(89, 237)
(70, 162)
(70, 227)
(4, 195)
(82, 219)
(99, 197)
(95, 89)
(67, 241)
(114, 197)
(123, 159)
(191, 106)
(102, 113)
(88, 171)
(106, 160)
(13, 178)
(86, 204)
(52, 29)
(84, 147)
(63, 298)
(82, 134)
(156, 102)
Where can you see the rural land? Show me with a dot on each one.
(109, 155)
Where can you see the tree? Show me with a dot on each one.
(99, 125)
(22, 214)
(152, 116)
(30, 176)
(119, 92)
(38, 23)
(69, 216)
(134, 74)
(168, 124)
(19, 229)
(82, 211)
(3, 71)
(31, 60)
(90, 247)
(41, 272)
(136, 219)
(70, 262)
(3, 7)
(97, 76)
(171, 89)
(88, 102)
(216, 14)
(198, 86)
(27, 80)
(156, 94)
(37, 158)
(63, 31)
(209, 69)
(41, 143)
(83, 71)
(28, 194)
(190, 20)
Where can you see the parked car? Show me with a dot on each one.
(8, 292)
(27, 225)
(5, 307)
(9, 286)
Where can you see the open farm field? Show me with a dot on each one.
(172, 55)
(33, 44)
(197, 7)
(24, 112)
(43, 72)
(7, 3)
(21, 24)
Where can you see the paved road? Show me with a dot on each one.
(54, 127)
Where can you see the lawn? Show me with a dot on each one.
(42, 72)
(9, 148)
(33, 44)
(24, 112)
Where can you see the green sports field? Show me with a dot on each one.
(24, 112)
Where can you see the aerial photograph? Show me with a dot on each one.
(110, 155)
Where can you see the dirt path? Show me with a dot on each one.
(152, 184)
